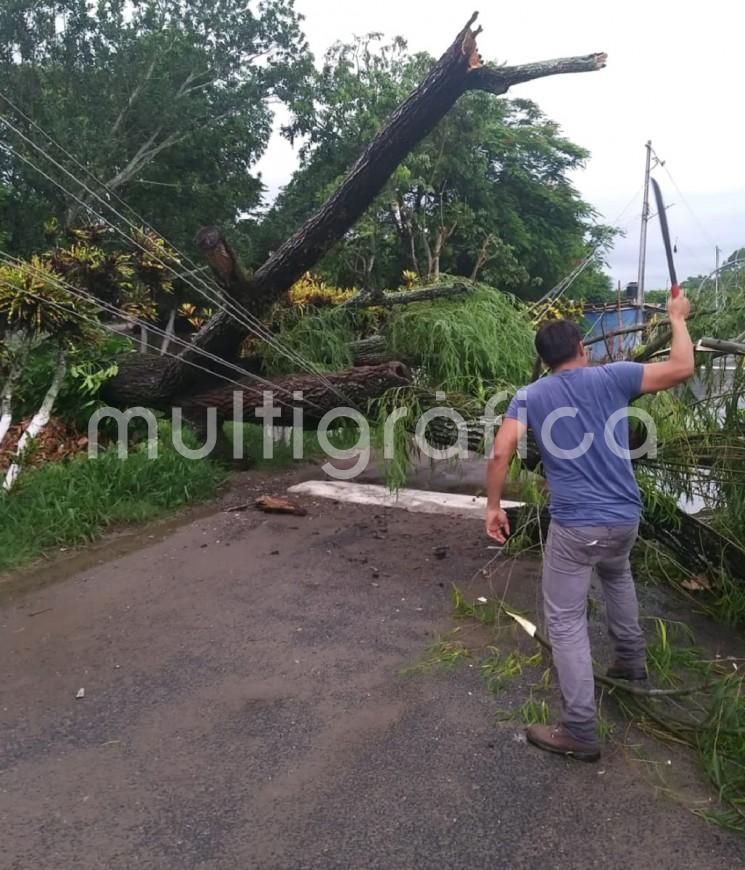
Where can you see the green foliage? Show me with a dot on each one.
(700, 453)
(719, 311)
(466, 344)
(534, 711)
(68, 504)
(170, 102)
(498, 667)
(671, 651)
(33, 302)
(53, 298)
(483, 611)
(133, 274)
(445, 653)
(89, 367)
(722, 744)
(414, 401)
(324, 338)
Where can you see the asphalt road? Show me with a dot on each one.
(244, 709)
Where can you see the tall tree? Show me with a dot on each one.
(168, 102)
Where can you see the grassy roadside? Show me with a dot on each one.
(68, 504)
(74, 502)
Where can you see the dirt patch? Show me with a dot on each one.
(55, 442)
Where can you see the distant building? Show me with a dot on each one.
(602, 321)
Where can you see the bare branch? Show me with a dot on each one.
(407, 297)
(148, 151)
(133, 97)
(498, 80)
(722, 346)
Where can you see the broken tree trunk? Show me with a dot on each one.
(370, 351)
(314, 395)
(458, 71)
(722, 346)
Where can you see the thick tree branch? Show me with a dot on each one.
(722, 346)
(407, 297)
(314, 395)
(498, 80)
(221, 257)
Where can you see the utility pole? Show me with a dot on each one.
(716, 280)
(643, 239)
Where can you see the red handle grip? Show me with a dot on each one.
(675, 291)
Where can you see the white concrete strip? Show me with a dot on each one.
(413, 500)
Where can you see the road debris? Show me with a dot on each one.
(273, 505)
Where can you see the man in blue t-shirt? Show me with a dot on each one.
(578, 416)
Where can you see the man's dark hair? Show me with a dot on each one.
(557, 342)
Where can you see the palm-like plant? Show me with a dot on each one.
(51, 300)
(35, 308)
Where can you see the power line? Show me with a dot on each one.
(112, 309)
(108, 328)
(239, 313)
(702, 228)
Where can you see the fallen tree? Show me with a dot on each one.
(459, 70)
(314, 395)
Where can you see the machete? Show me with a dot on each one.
(674, 286)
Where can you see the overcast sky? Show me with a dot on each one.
(674, 76)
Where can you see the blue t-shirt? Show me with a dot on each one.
(572, 417)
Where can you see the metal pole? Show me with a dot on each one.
(716, 281)
(643, 239)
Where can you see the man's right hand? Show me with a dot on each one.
(497, 524)
(681, 364)
(679, 307)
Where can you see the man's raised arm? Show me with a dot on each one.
(680, 365)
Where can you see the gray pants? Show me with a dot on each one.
(571, 555)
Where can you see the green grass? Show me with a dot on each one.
(445, 653)
(67, 504)
(534, 711)
(672, 651)
(497, 667)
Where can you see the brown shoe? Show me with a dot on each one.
(620, 671)
(555, 738)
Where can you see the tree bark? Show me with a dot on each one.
(459, 70)
(314, 396)
(698, 546)
(38, 421)
(370, 351)
(408, 297)
(6, 398)
(736, 348)
(482, 258)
